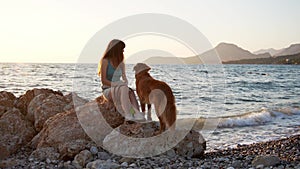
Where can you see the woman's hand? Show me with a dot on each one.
(126, 81)
(120, 83)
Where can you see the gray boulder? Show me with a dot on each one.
(266, 161)
(142, 140)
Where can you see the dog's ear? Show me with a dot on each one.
(141, 67)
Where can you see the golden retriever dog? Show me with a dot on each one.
(151, 91)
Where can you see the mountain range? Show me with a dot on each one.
(285, 59)
(226, 52)
(291, 50)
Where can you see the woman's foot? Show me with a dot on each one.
(149, 118)
(134, 115)
(139, 116)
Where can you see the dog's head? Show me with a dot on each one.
(141, 67)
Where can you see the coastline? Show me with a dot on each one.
(39, 149)
(286, 152)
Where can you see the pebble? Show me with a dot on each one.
(94, 150)
(260, 166)
(124, 164)
(266, 161)
(237, 164)
(126, 159)
(48, 161)
(240, 157)
(103, 155)
(171, 153)
(132, 165)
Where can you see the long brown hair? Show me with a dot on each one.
(113, 53)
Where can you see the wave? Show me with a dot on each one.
(252, 82)
(256, 118)
(261, 117)
(248, 119)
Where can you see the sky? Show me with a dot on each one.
(58, 30)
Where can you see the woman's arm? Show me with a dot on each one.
(124, 77)
(104, 79)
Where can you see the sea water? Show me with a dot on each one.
(240, 104)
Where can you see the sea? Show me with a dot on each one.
(239, 104)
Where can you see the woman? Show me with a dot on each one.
(111, 69)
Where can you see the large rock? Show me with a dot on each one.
(193, 145)
(15, 132)
(112, 117)
(266, 161)
(73, 101)
(6, 101)
(141, 140)
(97, 121)
(43, 107)
(64, 133)
(23, 101)
(33, 106)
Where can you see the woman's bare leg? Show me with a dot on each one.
(133, 100)
(123, 93)
(124, 98)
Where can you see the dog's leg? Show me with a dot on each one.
(149, 118)
(171, 125)
(162, 126)
(143, 107)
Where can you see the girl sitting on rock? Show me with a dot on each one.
(111, 69)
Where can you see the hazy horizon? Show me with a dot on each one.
(57, 31)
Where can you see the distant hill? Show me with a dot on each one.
(289, 59)
(291, 50)
(271, 51)
(229, 53)
(221, 53)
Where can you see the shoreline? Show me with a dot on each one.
(286, 149)
(47, 134)
(286, 153)
(237, 145)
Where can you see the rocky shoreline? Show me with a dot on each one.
(40, 129)
(283, 153)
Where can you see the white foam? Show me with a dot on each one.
(257, 118)
(250, 119)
